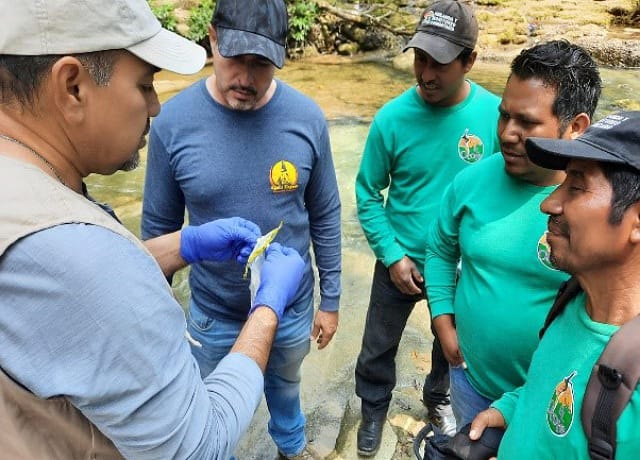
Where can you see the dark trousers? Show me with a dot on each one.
(387, 317)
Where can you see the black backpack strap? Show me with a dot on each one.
(568, 290)
(612, 382)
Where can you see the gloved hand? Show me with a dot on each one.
(280, 278)
(219, 240)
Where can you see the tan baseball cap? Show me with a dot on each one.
(41, 27)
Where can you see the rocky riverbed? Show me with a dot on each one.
(609, 29)
(606, 28)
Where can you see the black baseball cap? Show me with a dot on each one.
(445, 28)
(252, 27)
(614, 139)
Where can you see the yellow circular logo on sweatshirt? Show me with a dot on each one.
(283, 177)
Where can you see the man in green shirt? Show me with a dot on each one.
(416, 144)
(594, 234)
(489, 218)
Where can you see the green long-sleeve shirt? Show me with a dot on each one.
(543, 416)
(414, 150)
(492, 222)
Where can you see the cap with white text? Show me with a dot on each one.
(445, 28)
(614, 139)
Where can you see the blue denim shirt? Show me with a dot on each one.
(87, 315)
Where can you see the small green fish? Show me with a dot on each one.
(261, 245)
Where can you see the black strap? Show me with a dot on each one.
(612, 382)
(568, 290)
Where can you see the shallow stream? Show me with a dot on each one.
(349, 93)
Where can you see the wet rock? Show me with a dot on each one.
(354, 33)
(348, 49)
(614, 52)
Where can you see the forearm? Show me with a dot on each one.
(166, 250)
(442, 257)
(373, 177)
(377, 229)
(441, 282)
(256, 337)
(324, 207)
(328, 260)
(234, 390)
(506, 404)
(444, 325)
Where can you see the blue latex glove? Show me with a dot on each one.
(219, 240)
(280, 278)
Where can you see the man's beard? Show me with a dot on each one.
(132, 163)
(244, 105)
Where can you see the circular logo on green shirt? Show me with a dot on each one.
(544, 252)
(561, 407)
(470, 147)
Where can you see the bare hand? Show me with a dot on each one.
(406, 276)
(325, 325)
(486, 419)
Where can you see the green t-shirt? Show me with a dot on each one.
(414, 150)
(492, 222)
(543, 416)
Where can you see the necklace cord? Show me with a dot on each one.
(36, 154)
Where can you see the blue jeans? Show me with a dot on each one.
(466, 402)
(282, 376)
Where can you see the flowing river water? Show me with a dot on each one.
(349, 92)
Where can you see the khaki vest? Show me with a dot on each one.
(32, 428)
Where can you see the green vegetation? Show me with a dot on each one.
(165, 15)
(199, 20)
(302, 15)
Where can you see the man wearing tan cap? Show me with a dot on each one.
(416, 145)
(93, 357)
